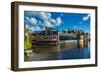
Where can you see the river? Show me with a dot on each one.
(59, 52)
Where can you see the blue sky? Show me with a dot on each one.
(36, 20)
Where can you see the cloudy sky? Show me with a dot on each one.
(35, 20)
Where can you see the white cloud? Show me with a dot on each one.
(35, 28)
(58, 21)
(41, 15)
(40, 22)
(48, 24)
(27, 18)
(44, 15)
(33, 20)
(53, 21)
(49, 14)
(45, 19)
(32, 28)
(48, 20)
(27, 26)
(85, 18)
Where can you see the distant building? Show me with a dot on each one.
(74, 31)
(51, 35)
(68, 36)
(47, 35)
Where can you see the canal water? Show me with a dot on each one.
(59, 52)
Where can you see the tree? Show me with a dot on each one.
(27, 40)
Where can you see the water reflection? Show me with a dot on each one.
(59, 52)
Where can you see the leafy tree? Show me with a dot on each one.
(27, 40)
(27, 44)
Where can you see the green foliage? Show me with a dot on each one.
(28, 42)
(27, 45)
